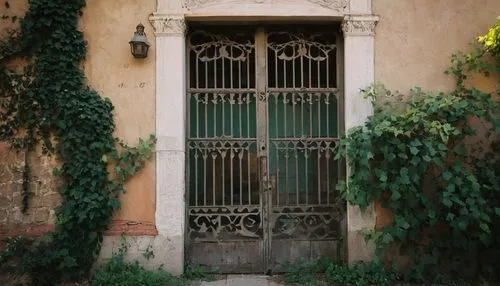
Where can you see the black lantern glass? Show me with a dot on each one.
(139, 45)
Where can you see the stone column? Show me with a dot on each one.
(359, 73)
(170, 131)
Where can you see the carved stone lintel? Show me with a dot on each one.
(337, 5)
(164, 24)
(359, 25)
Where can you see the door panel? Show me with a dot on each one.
(263, 124)
(224, 205)
(307, 214)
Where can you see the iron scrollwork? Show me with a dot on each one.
(308, 222)
(225, 223)
(299, 45)
(212, 47)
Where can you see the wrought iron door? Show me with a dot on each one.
(264, 114)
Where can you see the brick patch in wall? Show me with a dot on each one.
(118, 227)
(132, 228)
(30, 230)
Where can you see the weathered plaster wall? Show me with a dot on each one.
(130, 84)
(415, 40)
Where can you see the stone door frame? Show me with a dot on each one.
(169, 23)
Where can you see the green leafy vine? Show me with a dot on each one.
(26, 182)
(48, 103)
(412, 156)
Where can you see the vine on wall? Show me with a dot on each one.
(49, 104)
(412, 155)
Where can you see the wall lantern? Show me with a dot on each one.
(139, 45)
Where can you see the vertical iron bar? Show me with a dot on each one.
(319, 95)
(206, 115)
(231, 104)
(284, 73)
(215, 69)
(293, 67)
(303, 133)
(327, 159)
(327, 103)
(214, 102)
(310, 97)
(206, 74)
(249, 96)
(205, 177)
(223, 157)
(293, 114)
(223, 97)
(319, 173)
(302, 71)
(307, 171)
(276, 100)
(297, 201)
(197, 100)
(231, 157)
(223, 106)
(277, 164)
(249, 176)
(223, 72)
(240, 132)
(213, 179)
(285, 94)
(287, 177)
(240, 157)
(310, 72)
(205, 155)
(196, 176)
(248, 72)
(276, 69)
(327, 72)
(231, 69)
(239, 74)
(319, 73)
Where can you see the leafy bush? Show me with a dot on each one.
(412, 156)
(360, 274)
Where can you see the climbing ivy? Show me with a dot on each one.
(48, 103)
(413, 156)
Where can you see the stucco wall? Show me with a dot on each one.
(129, 83)
(415, 39)
(114, 73)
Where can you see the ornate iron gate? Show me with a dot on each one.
(264, 114)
